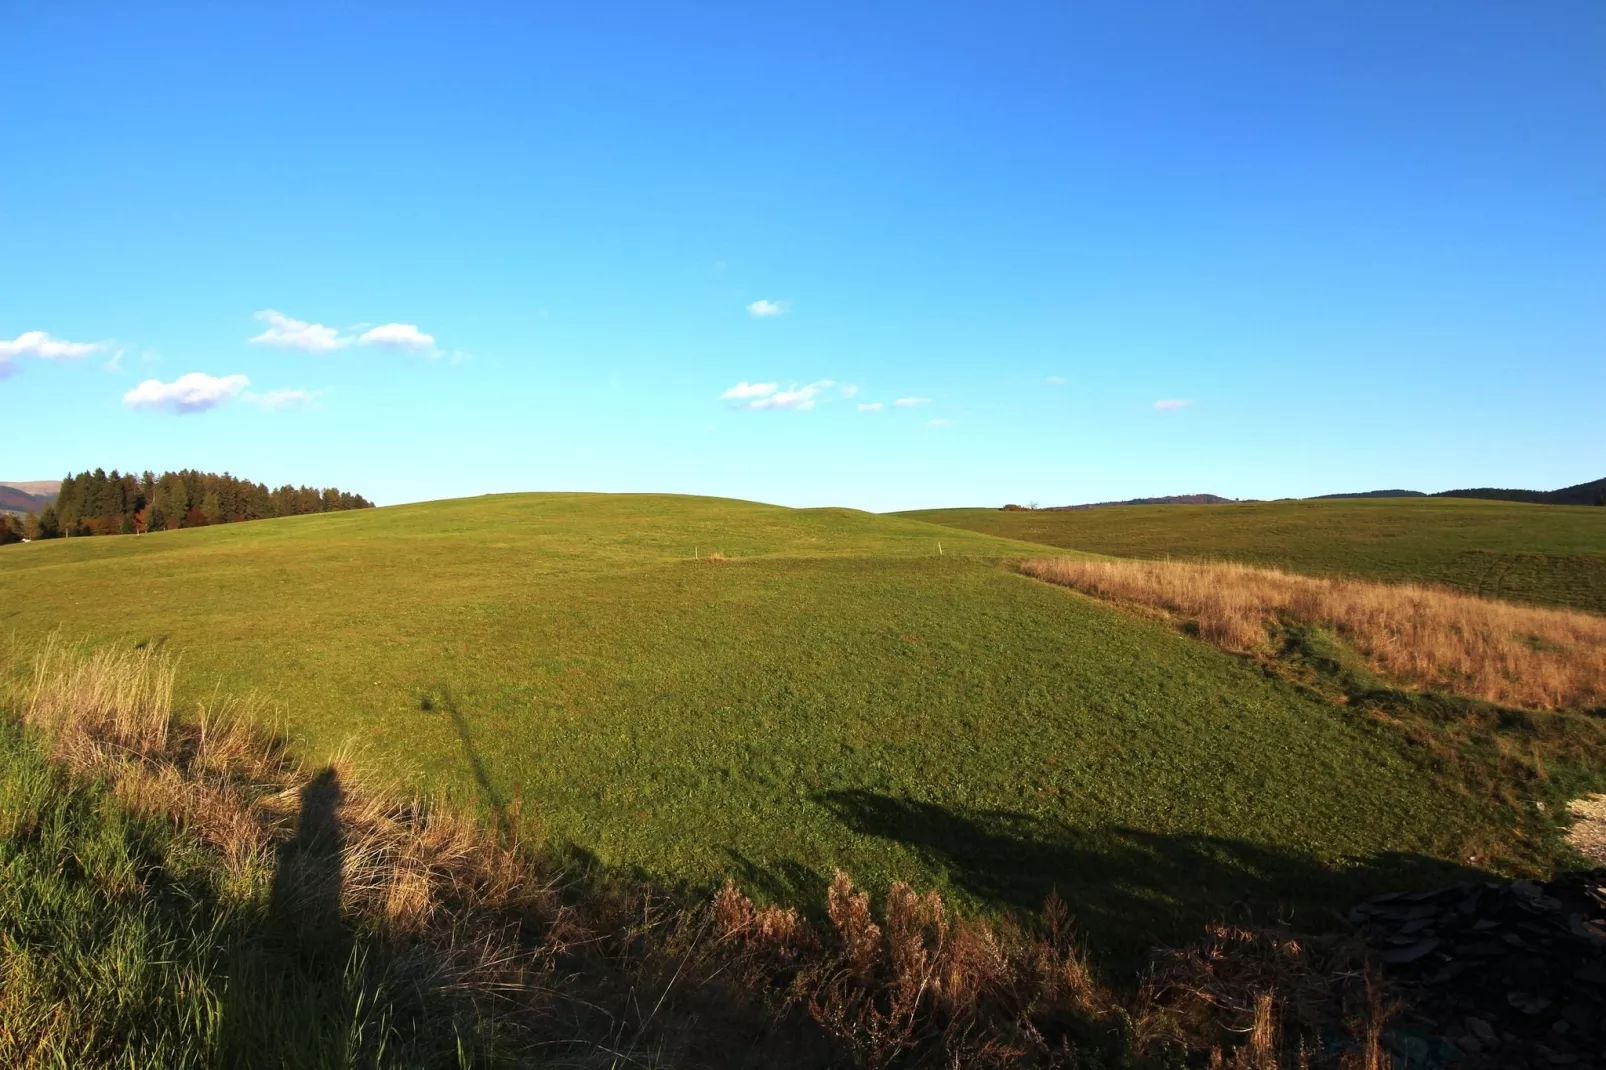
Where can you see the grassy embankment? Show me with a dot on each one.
(833, 695)
(1549, 554)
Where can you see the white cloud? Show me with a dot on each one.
(850, 391)
(398, 336)
(763, 308)
(195, 392)
(793, 399)
(1057, 380)
(41, 345)
(284, 398)
(909, 403)
(940, 422)
(744, 390)
(870, 406)
(286, 333)
(115, 364)
(1172, 404)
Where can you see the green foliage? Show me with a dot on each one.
(124, 942)
(1549, 554)
(830, 693)
(95, 503)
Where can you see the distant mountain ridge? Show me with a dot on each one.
(1370, 494)
(1169, 499)
(1592, 493)
(28, 497)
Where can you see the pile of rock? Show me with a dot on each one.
(1513, 974)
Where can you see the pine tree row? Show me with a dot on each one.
(95, 503)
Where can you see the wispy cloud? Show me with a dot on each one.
(286, 332)
(1057, 380)
(850, 391)
(404, 336)
(793, 399)
(870, 406)
(909, 403)
(195, 392)
(115, 364)
(763, 308)
(1172, 404)
(745, 390)
(283, 398)
(41, 345)
(941, 421)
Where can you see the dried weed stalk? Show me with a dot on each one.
(1518, 655)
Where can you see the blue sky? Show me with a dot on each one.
(1100, 250)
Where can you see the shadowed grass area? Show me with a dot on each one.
(1551, 554)
(568, 663)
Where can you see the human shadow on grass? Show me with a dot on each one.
(1129, 889)
(288, 988)
(304, 904)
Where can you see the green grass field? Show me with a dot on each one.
(1552, 554)
(835, 694)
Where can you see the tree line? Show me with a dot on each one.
(97, 503)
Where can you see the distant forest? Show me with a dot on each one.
(95, 503)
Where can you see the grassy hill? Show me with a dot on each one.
(834, 693)
(1538, 553)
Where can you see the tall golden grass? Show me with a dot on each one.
(638, 977)
(1425, 636)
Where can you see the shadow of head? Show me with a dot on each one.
(305, 901)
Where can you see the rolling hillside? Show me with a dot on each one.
(832, 693)
(1547, 554)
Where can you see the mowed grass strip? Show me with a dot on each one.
(1425, 636)
(835, 694)
(1548, 554)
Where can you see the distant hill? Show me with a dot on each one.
(1169, 499)
(1581, 494)
(28, 497)
(1593, 493)
(1370, 494)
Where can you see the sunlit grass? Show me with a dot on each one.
(1549, 554)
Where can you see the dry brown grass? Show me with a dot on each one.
(1424, 636)
(637, 977)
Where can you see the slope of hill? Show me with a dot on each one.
(28, 497)
(827, 691)
(1547, 554)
